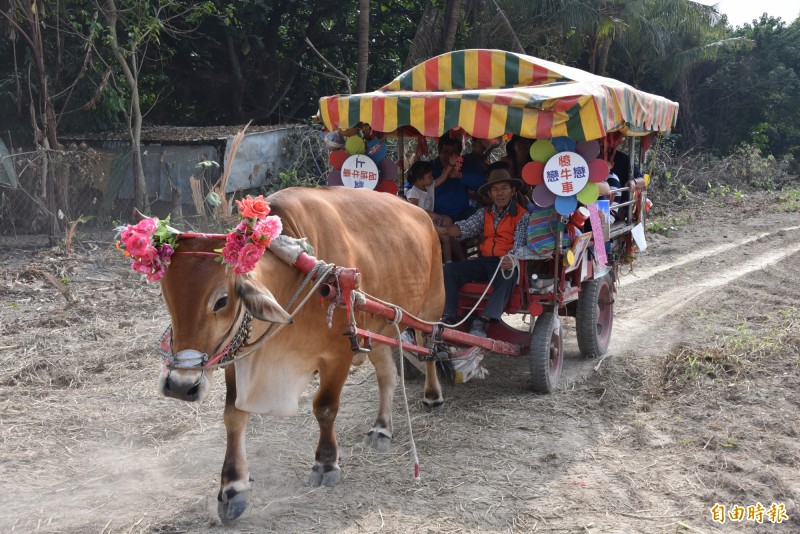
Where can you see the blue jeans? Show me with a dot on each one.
(480, 269)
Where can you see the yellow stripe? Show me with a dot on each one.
(323, 110)
(498, 68)
(530, 119)
(365, 113)
(344, 115)
(560, 129)
(445, 73)
(390, 114)
(418, 78)
(589, 121)
(497, 122)
(525, 72)
(466, 114)
(418, 113)
(471, 69)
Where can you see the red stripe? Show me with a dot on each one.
(432, 74)
(539, 75)
(544, 125)
(484, 69)
(503, 98)
(377, 114)
(483, 114)
(431, 117)
(333, 112)
(564, 104)
(600, 121)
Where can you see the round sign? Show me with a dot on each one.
(359, 172)
(566, 173)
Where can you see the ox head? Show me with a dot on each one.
(207, 305)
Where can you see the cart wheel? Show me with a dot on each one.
(546, 353)
(594, 317)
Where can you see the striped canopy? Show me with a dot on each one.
(489, 93)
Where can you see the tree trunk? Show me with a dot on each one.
(140, 197)
(451, 17)
(604, 49)
(237, 99)
(426, 38)
(363, 45)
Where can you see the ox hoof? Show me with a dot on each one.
(328, 478)
(378, 440)
(231, 508)
(436, 406)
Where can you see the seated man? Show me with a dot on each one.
(504, 225)
(452, 195)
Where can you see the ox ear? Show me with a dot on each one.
(260, 302)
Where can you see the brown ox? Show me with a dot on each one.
(394, 246)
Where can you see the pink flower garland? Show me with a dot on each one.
(246, 243)
(150, 245)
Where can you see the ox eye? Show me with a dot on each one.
(221, 303)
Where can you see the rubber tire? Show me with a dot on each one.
(546, 353)
(594, 317)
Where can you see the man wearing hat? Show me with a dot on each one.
(504, 225)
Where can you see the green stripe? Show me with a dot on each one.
(353, 111)
(574, 124)
(514, 120)
(403, 111)
(452, 108)
(512, 70)
(407, 81)
(457, 69)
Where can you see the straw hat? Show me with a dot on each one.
(497, 176)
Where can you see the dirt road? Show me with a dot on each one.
(694, 405)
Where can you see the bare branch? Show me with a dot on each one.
(342, 75)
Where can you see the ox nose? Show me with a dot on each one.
(181, 388)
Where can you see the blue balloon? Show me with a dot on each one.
(376, 150)
(563, 144)
(566, 205)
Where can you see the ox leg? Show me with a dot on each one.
(433, 399)
(379, 436)
(326, 470)
(234, 493)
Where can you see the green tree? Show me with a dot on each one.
(753, 94)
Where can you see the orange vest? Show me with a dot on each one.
(501, 241)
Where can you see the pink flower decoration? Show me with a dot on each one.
(245, 244)
(126, 233)
(230, 252)
(140, 267)
(149, 248)
(266, 230)
(137, 244)
(147, 226)
(248, 258)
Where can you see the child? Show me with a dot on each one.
(422, 194)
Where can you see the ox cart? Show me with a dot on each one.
(488, 94)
